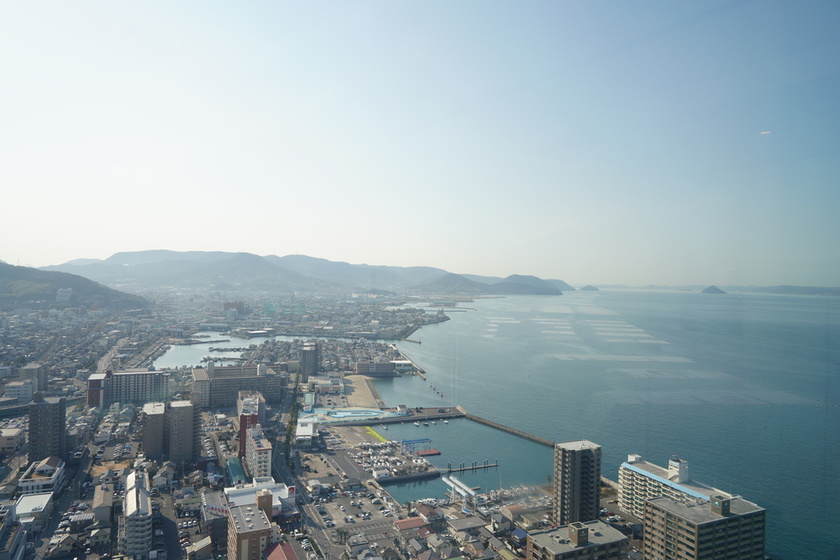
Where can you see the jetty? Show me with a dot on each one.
(544, 441)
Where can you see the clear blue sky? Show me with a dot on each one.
(592, 141)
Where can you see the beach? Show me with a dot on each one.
(360, 392)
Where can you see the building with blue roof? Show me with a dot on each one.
(640, 481)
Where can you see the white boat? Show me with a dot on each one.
(446, 421)
(417, 423)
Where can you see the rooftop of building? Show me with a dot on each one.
(33, 503)
(699, 512)
(135, 372)
(214, 504)
(244, 494)
(137, 501)
(577, 445)
(257, 436)
(558, 542)
(249, 518)
(154, 408)
(180, 404)
(661, 474)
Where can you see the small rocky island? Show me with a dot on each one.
(712, 290)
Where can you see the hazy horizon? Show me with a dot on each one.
(597, 143)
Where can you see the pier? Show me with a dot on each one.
(427, 414)
(473, 467)
(508, 429)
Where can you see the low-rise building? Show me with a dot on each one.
(283, 506)
(103, 504)
(11, 439)
(589, 540)
(12, 537)
(305, 434)
(46, 475)
(21, 391)
(34, 510)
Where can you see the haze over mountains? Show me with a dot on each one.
(30, 287)
(156, 270)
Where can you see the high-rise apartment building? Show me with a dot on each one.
(137, 387)
(696, 529)
(180, 431)
(577, 481)
(257, 453)
(249, 532)
(250, 406)
(154, 415)
(640, 481)
(218, 387)
(310, 361)
(47, 427)
(135, 531)
(130, 386)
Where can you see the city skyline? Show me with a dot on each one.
(636, 144)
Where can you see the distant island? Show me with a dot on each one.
(712, 290)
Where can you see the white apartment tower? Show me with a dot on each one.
(258, 453)
(640, 481)
(135, 534)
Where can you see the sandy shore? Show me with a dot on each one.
(360, 392)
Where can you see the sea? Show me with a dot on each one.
(743, 386)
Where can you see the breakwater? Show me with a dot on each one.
(508, 429)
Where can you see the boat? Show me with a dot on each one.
(446, 421)
(425, 423)
(428, 452)
(417, 423)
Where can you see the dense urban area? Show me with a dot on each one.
(276, 455)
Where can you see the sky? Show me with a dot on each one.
(611, 142)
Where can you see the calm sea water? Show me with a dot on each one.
(746, 388)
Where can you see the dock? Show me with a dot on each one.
(473, 467)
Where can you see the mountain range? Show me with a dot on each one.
(222, 271)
